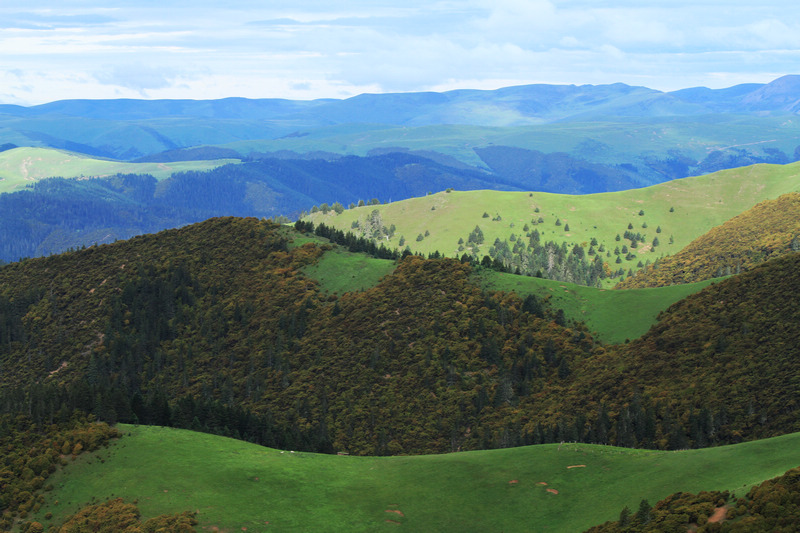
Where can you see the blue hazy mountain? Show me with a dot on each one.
(128, 129)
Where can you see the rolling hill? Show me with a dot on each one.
(218, 322)
(222, 327)
(234, 485)
(721, 342)
(288, 183)
(608, 224)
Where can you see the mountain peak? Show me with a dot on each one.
(782, 93)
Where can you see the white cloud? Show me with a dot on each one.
(137, 76)
(303, 48)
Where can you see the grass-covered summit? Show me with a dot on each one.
(597, 238)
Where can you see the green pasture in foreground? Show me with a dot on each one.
(22, 166)
(684, 209)
(235, 485)
(612, 315)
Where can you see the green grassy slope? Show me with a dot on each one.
(768, 230)
(340, 271)
(235, 485)
(613, 315)
(22, 166)
(699, 204)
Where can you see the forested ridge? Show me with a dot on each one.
(767, 230)
(56, 214)
(214, 327)
(198, 325)
(725, 356)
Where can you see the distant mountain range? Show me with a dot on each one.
(519, 105)
(127, 129)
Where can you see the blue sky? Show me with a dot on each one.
(313, 49)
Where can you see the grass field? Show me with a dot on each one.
(235, 485)
(22, 166)
(340, 271)
(684, 209)
(613, 316)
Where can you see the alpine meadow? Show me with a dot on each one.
(534, 308)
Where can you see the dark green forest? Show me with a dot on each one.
(214, 327)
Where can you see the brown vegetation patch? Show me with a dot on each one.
(719, 515)
(63, 365)
(576, 466)
(392, 522)
(541, 483)
(513, 482)
(395, 511)
(552, 491)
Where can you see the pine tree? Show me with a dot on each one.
(644, 514)
(625, 517)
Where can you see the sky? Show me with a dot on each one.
(308, 49)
